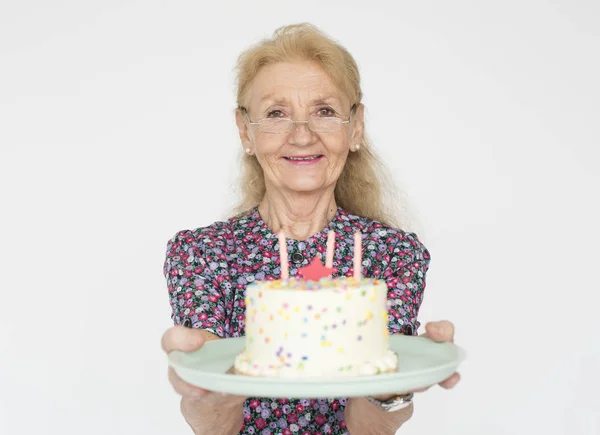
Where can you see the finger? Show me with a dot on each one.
(451, 381)
(442, 331)
(183, 388)
(181, 338)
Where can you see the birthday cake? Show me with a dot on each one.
(318, 327)
(333, 327)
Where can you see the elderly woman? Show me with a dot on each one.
(308, 168)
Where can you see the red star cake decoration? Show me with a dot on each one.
(315, 270)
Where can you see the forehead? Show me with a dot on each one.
(302, 82)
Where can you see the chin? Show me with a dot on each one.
(304, 186)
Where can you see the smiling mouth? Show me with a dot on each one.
(304, 158)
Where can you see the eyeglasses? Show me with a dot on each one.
(316, 124)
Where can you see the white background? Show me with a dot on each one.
(117, 130)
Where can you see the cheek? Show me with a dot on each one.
(268, 146)
(337, 149)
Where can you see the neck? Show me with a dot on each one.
(299, 216)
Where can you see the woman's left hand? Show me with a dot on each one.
(441, 332)
(362, 417)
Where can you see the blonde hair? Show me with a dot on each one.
(365, 187)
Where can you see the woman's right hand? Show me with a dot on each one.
(207, 412)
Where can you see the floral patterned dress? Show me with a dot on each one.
(207, 271)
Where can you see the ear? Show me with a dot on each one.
(358, 125)
(243, 130)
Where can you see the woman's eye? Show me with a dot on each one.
(326, 111)
(275, 114)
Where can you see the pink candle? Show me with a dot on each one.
(330, 249)
(357, 255)
(283, 256)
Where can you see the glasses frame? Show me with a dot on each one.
(292, 123)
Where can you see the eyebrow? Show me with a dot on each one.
(280, 100)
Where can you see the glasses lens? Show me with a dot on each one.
(325, 125)
(317, 125)
(275, 125)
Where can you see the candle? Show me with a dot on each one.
(283, 256)
(357, 255)
(330, 249)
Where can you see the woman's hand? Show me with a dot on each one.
(362, 417)
(206, 412)
(441, 332)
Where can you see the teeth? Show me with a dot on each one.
(303, 158)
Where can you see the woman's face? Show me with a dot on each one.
(299, 91)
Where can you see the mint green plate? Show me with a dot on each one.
(422, 363)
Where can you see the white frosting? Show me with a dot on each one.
(337, 328)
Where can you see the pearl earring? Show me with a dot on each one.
(248, 150)
(357, 147)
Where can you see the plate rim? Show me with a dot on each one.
(224, 376)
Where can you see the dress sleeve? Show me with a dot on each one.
(405, 278)
(194, 289)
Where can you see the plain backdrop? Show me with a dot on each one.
(117, 131)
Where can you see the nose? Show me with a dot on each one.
(300, 134)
